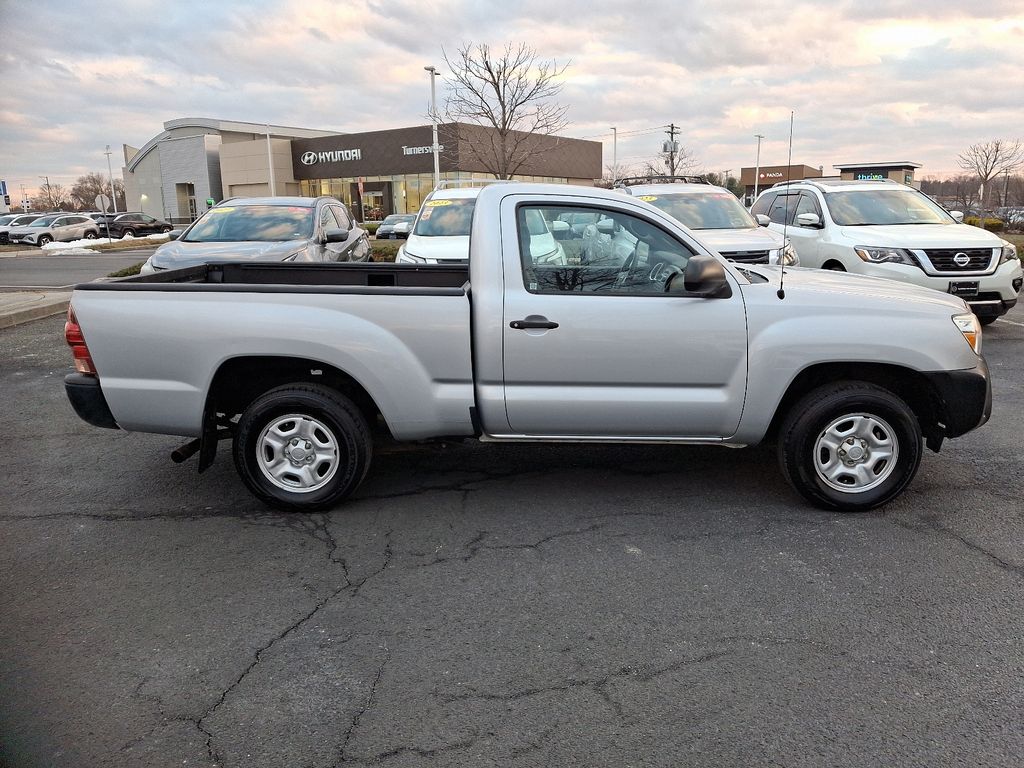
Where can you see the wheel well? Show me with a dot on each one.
(833, 263)
(241, 380)
(909, 385)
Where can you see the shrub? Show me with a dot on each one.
(370, 226)
(992, 225)
(384, 250)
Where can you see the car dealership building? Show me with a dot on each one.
(178, 174)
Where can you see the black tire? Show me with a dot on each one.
(806, 423)
(988, 320)
(44, 239)
(164, 230)
(90, 235)
(128, 232)
(337, 417)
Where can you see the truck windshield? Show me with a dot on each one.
(884, 207)
(445, 218)
(253, 223)
(704, 210)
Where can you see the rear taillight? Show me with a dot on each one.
(73, 336)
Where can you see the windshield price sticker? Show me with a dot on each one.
(648, 198)
(436, 203)
(426, 213)
(222, 210)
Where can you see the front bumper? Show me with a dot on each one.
(963, 398)
(87, 399)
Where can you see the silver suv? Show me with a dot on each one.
(308, 229)
(62, 227)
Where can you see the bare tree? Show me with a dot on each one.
(86, 188)
(990, 159)
(51, 197)
(512, 94)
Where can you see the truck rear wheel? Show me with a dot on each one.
(302, 447)
(850, 446)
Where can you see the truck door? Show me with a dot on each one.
(601, 349)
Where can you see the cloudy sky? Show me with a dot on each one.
(869, 80)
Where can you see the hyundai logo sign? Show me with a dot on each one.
(333, 156)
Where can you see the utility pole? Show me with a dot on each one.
(110, 173)
(670, 149)
(1006, 185)
(757, 164)
(49, 195)
(615, 155)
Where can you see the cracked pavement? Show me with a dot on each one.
(493, 605)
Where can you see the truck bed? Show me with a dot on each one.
(298, 278)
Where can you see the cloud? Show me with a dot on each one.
(880, 79)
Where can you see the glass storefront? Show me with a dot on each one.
(384, 195)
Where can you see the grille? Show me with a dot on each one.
(747, 257)
(942, 259)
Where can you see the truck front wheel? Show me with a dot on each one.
(850, 446)
(302, 447)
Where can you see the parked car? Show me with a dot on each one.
(396, 226)
(850, 376)
(12, 220)
(716, 215)
(887, 229)
(266, 229)
(441, 232)
(134, 224)
(62, 227)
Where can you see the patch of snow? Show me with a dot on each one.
(79, 245)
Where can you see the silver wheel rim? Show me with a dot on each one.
(297, 453)
(856, 452)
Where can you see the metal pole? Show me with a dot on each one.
(433, 120)
(757, 164)
(110, 173)
(615, 155)
(270, 165)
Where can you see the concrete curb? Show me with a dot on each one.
(46, 305)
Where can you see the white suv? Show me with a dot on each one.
(716, 217)
(441, 232)
(887, 229)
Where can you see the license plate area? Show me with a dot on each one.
(964, 288)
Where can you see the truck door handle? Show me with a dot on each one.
(532, 322)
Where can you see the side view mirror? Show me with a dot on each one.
(762, 220)
(335, 235)
(174, 234)
(958, 216)
(808, 220)
(704, 277)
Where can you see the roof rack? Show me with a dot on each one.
(462, 183)
(632, 181)
(835, 182)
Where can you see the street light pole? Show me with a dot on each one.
(433, 119)
(757, 162)
(270, 165)
(110, 173)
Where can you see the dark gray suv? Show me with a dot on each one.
(309, 229)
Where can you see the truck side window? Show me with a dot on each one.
(763, 203)
(807, 204)
(615, 253)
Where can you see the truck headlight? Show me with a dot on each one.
(876, 255)
(1009, 253)
(969, 326)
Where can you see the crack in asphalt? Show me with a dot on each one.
(317, 526)
(932, 523)
(350, 731)
(594, 684)
(475, 545)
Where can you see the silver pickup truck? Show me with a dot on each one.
(298, 364)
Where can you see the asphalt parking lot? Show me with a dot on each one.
(489, 605)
